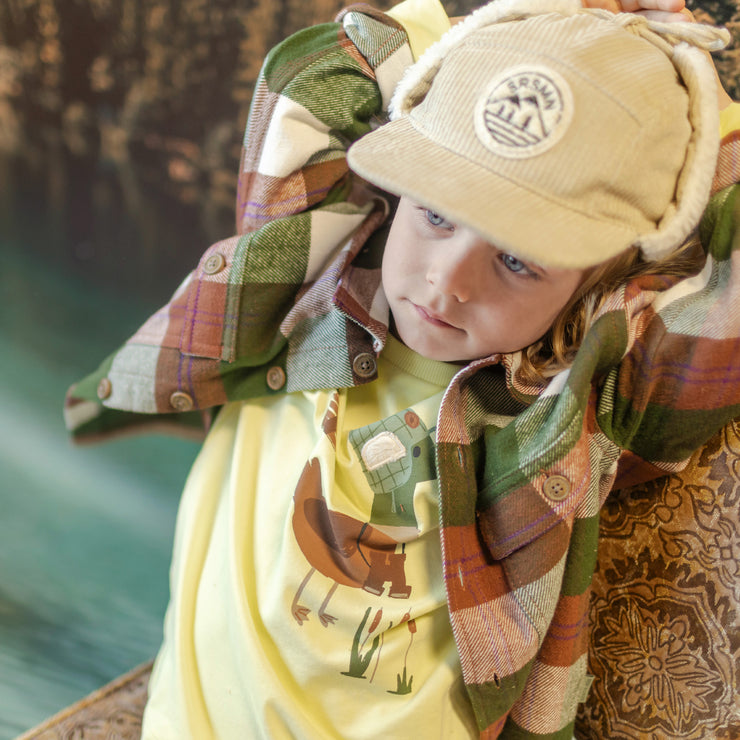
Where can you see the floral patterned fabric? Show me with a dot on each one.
(665, 637)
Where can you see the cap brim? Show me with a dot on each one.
(402, 160)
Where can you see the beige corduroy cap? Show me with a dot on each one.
(560, 134)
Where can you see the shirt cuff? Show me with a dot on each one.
(425, 22)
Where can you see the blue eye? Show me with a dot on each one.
(436, 220)
(517, 267)
(513, 264)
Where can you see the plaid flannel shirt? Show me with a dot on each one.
(293, 302)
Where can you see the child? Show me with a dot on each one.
(550, 162)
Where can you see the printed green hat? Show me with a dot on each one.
(561, 134)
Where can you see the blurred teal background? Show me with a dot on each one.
(87, 250)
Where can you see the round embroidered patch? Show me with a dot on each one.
(525, 111)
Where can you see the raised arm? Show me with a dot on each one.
(297, 208)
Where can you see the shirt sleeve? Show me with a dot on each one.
(317, 92)
(298, 204)
(679, 380)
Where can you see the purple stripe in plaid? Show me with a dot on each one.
(275, 204)
(576, 628)
(194, 316)
(188, 326)
(179, 370)
(453, 574)
(191, 385)
(205, 322)
(186, 370)
(647, 370)
(559, 512)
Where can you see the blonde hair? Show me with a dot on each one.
(556, 350)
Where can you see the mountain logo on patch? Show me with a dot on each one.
(525, 111)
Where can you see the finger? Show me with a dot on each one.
(669, 6)
(613, 6)
(663, 16)
(672, 6)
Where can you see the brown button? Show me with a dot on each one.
(275, 378)
(556, 487)
(105, 388)
(181, 401)
(364, 365)
(215, 263)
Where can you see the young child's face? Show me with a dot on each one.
(455, 297)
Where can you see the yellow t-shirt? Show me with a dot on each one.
(307, 593)
(729, 119)
(425, 21)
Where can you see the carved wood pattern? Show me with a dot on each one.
(111, 713)
(665, 638)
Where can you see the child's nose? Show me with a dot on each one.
(458, 269)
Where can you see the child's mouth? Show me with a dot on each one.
(432, 318)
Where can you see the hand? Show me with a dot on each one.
(663, 8)
(634, 6)
(685, 15)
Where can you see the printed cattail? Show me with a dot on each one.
(376, 621)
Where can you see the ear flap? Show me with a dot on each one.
(695, 181)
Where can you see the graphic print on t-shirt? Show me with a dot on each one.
(394, 455)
